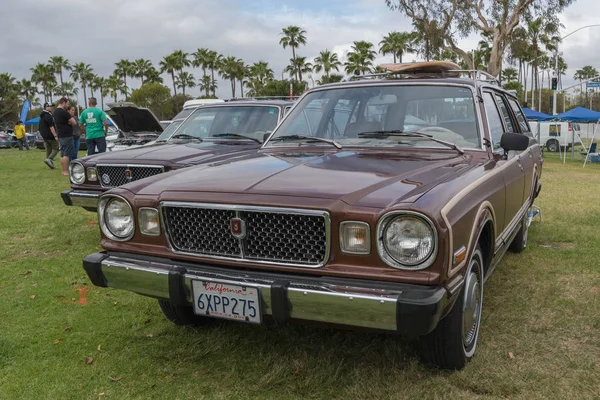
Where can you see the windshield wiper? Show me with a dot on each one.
(236, 136)
(186, 136)
(308, 139)
(385, 134)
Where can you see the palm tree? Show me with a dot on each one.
(83, 74)
(396, 43)
(201, 60)
(125, 68)
(327, 62)
(261, 72)
(142, 67)
(185, 80)
(27, 89)
(293, 36)
(100, 83)
(114, 84)
(169, 65)
(509, 74)
(298, 67)
(153, 76)
(182, 60)
(214, 62)
(42, 74)
(59, 64)
(243, 72)
(360, 59)
(583, 74)
(205, 84)
(330, 79)
(230, 69)
(69, 90)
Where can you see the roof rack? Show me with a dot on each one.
(424, 72)
(263, 98)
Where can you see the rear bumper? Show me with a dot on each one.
(412, 310)
(85, 199)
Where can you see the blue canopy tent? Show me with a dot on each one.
(581, 114)
(32, 121)
(536, 115)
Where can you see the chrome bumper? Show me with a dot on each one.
(87, 200)
(403, 308)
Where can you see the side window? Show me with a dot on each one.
(520, 116)
(494, 119)
(505, 114)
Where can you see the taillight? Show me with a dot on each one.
(2, 137)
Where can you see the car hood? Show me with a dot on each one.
(133, 119)
(170, 154)
(362, 178)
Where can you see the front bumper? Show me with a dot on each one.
(412, 310)
(85, 199)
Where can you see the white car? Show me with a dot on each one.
(134, 126)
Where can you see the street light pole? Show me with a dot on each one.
(556, 62)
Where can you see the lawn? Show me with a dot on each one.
(62, 338)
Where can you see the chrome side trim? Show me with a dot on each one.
(242, 208)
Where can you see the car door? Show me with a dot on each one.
(531, 156)
(512, 168)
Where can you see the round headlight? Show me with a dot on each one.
(408, 241)
(117, 221)
(77, 173)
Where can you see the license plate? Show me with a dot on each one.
(219, 300)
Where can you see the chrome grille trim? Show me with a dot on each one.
(139, 171)
(243, 248)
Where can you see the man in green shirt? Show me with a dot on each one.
(94, 125)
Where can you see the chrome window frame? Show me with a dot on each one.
(472, 88)
(242, 208)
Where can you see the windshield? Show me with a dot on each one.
(251, 121)
(343, 114)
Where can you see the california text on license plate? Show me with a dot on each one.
(220, 300)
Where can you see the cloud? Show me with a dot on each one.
(101, 32)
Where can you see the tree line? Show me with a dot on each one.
(516, 45)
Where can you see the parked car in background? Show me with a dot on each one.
(133, 126)
(563, 134)
(211, 133)
(190, 106)
(7, 140)
(362, 218)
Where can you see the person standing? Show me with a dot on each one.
(48, 133)
(21, 135)
(94, 124)
(64, 126)
(76, 133)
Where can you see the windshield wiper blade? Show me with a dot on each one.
(384, 134)
(236, 136)
(307, 139)
(186, 136)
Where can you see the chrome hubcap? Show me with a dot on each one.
(471, 308)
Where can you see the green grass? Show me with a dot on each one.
(541, 306)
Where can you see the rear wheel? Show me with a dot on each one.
(453, 342)
(182, 315)
(552, 146)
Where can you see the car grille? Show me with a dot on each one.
(281, 237)
(117, 175)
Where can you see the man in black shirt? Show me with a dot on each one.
(64, 126)
(48, 132)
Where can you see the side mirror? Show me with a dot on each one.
(514, 141)
(266, 135)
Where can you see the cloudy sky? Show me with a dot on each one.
(101, 32)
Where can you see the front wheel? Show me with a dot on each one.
(452, 343)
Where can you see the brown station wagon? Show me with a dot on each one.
(382, 203)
